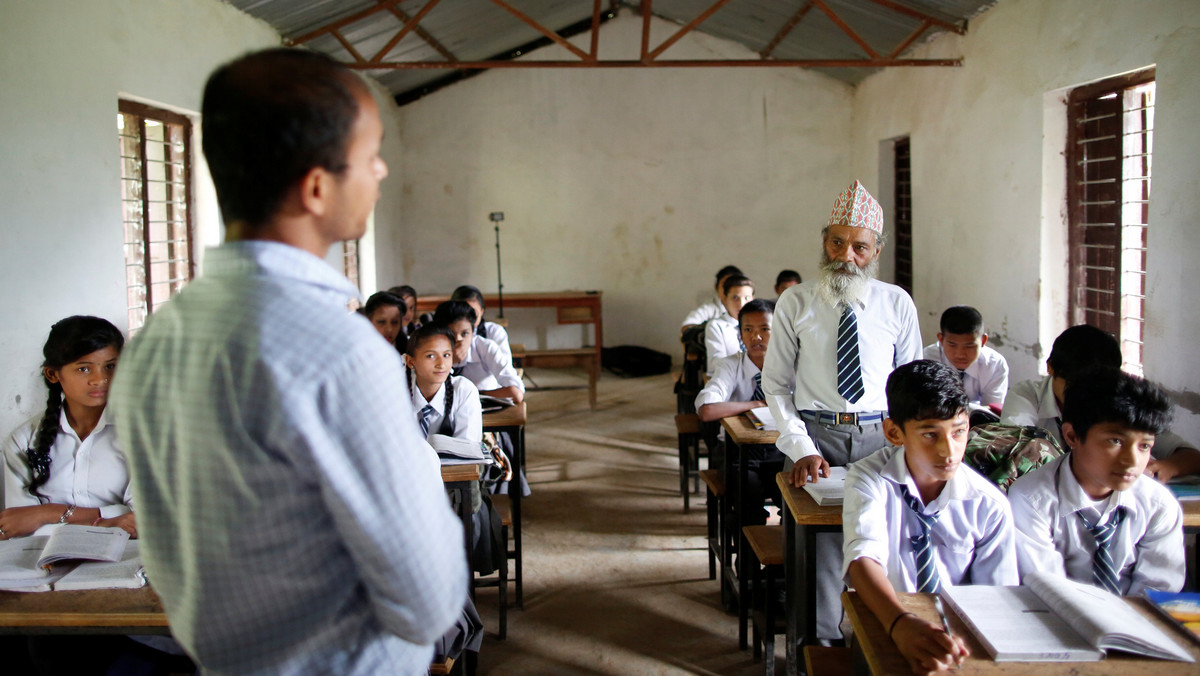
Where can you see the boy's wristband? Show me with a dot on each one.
(897, 621)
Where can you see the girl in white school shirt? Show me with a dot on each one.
(490, 330)
(63, 466)
(481, 360)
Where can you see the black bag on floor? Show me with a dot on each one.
(634, 361)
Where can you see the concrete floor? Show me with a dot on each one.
(616, 575)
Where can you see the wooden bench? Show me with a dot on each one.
(584, 358)
(715, 485)
(687, 427)
(502, 504)
(767, 544)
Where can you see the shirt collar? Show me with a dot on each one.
(248, 257)
(748, 366)
(1047, 406)
(64, 425)
(438, 400)
(957, 488)
(1072, 498)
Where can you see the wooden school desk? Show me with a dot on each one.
(739, 433)
(512, 420)
(875, 653)
(571, 307)
(802, 521)
(457, 480)
(92, 611)
(1191, 526)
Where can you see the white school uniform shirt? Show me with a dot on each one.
(733, 380)
(974, 533)
(488, 368)
(704, 313)
(1147, 549)
(800, 371)
(91, 473)
(498, 335)
(721, 340)
(1031, 402)
(985, 380)
(466, 413)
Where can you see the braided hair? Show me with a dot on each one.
(420, 336)
(70, 339)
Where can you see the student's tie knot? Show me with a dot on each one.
(928, 580)
(1104, 572)
(424, 417)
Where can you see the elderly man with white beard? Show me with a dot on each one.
(834, 342)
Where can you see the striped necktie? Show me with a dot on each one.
(424, 417)
(849, 378)
(758, 393)
(928, 581)
(1104, 574)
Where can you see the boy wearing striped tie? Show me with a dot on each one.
(1091, 514)
(736, 387)
(915, 520)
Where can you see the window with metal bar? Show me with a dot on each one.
(156, 205)
(903, 216)
(1110, 146)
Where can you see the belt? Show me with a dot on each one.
(843, 418)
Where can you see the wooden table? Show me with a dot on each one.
(875, 653)
(739, 434)
(1191, 526)
(94, 611)
(802, 521)
(571, 307)
(512, 420)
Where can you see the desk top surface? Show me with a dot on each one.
(804, 509)
(742, 431)
(452, 473)
(1191, 513)
(884, 658)
(525, 298)
(512, 416)
(98, 608)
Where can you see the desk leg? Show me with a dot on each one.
(519, 447)
(792, 580)
(730, 533)
(744, 599)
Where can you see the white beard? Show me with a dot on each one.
(836, 287)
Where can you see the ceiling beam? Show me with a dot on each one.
(910, 39)
(341, 23)
(404, 30)
(646, 8)
(424, 35)
(881, 62)
(787, 28)
(596, 13)
(688, 28)
(909, 11)
(558, 39)
(846, 28)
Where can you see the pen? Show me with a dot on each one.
(941, 608)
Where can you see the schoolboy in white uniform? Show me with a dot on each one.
(962, 343)
(721, 336)
(476, 358)
(736, 388)
(715, 308)
(916, 520)
(1091, 515)
(1038, 402)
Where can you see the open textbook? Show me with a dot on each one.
(831, 490)
(454, 451)
(1053, 619)
(71, 557)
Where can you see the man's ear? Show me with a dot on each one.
(1072, 440)
(893, 432)
(315, 190)
(982, 341)
(939, 336)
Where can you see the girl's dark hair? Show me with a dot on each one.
(418, 337)
(467, 292)
(452, 311)
(384, 299)
(403, 290)
(69, 340)
(734, 281)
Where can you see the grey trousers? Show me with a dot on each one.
(839, 444)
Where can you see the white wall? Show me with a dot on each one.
(640, 183)
(63, 65)
(987, 189)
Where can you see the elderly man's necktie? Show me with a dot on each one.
(849, 378)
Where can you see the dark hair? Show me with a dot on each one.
(961, 320)
(734, 281)
(467, 292)
(427, 332)
(787, 276)
(69, 340)
(403, 290)
(384, 299)
(924, 390)
(1107, 394)
(756, 305)
(1080, 348)
(270, 117)
(452, 311)
(727, 271)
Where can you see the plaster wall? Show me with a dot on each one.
(988, 175)
(640, 183)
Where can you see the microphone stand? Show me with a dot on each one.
(499, 278)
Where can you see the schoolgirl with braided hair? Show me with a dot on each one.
(445, 404)
(63, 466)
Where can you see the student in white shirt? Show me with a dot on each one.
(715, 308)
(480, 360)
(962, 343)
(721, 337)
(386, 312)
(785, 280)
(916, 520)
(1075, 350)
(736, 388)
(490, 330)
(409, 296)
(1109, 420)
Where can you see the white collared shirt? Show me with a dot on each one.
(91, 473)
(292, 518)
(733, 380)
(1031, 402)
(1147, 549)
(973, 535)
(720, 340)
(498, 335)
(466, 413)
(488, 368)
(704, 313)
(985, 380)
(800, 371)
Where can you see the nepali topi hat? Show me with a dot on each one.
(855, 207)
